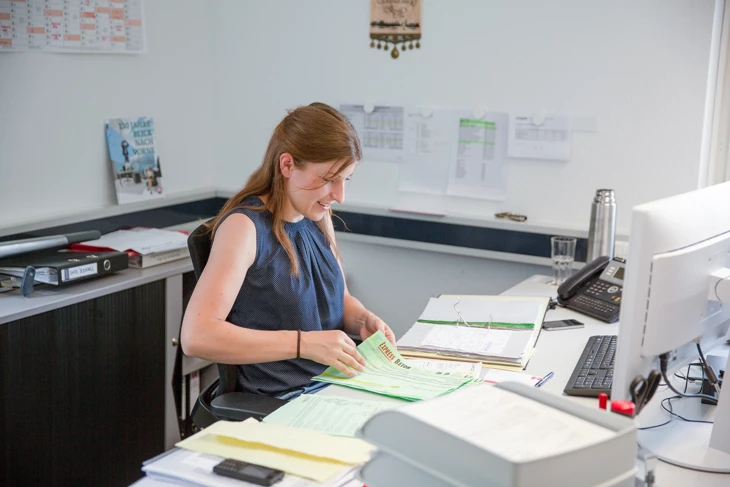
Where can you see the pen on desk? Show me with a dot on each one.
(544, 379)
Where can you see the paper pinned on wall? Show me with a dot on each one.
(549, 140)
(380, 130)
(429, 139)
(479, 163)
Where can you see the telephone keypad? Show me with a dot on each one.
(594, 304)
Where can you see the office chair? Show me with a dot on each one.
(221, 400)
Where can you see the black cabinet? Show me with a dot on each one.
(82, 391)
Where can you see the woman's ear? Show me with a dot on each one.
(286, 164)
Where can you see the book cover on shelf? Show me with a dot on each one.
(134, 159)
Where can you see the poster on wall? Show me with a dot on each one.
(134, 159)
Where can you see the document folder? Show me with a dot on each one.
(63, 267)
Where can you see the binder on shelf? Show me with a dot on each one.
(61, 267)
(506, 435)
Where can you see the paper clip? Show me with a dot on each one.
(458, 313)
(511, 216)
(489, 325)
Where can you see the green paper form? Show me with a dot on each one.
(388, 373)
(334, 415)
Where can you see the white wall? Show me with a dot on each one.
(219, 75)
(53, 157)
(639, 68)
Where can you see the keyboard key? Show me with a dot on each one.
(594, 371)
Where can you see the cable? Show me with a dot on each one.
(672, 415)
(687, 377)
(711, 376)
(663, 358)
(671, 411)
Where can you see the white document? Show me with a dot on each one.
(429, 142)
(495, 376)
(381, 131)
(467, 339)
(549, 140)
(480, 311)
(507, 424)
(469, 369)
(142, 240)
(479, 162)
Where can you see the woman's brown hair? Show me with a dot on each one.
(315, 133)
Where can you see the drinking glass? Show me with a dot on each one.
(563, 254)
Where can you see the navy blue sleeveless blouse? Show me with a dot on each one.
(272, 299)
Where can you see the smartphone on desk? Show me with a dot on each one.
(568, 324)
(595, 290)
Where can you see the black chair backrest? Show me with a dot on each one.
(199, 245)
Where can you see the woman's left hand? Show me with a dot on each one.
(372, 324)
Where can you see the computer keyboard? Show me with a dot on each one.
(593, 374)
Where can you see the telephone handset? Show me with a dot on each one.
(595, 290)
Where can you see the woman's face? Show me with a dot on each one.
(313, 188)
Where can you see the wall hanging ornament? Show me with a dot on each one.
(395, 22)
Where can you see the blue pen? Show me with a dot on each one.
(544, 379)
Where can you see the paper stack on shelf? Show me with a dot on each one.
(146, 246)
(499, 331)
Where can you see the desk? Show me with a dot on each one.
(558, 352)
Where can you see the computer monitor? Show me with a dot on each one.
(669, 303)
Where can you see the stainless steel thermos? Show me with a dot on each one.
(602, 230)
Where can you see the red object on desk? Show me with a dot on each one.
(602, 400)
(627, 408)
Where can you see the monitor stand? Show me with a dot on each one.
(698, 446)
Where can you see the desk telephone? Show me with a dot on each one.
(595, 290)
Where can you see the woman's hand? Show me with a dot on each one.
(372, 324)
(333, 348)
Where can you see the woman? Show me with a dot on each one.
(272, 297)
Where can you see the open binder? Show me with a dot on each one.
(454, 327)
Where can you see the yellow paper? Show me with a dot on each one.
(346, 450)
(222, 439)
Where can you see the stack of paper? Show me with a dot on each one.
(388, 373)
(196, 469)
(496, 330)
(146, 246)
(299, 452)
